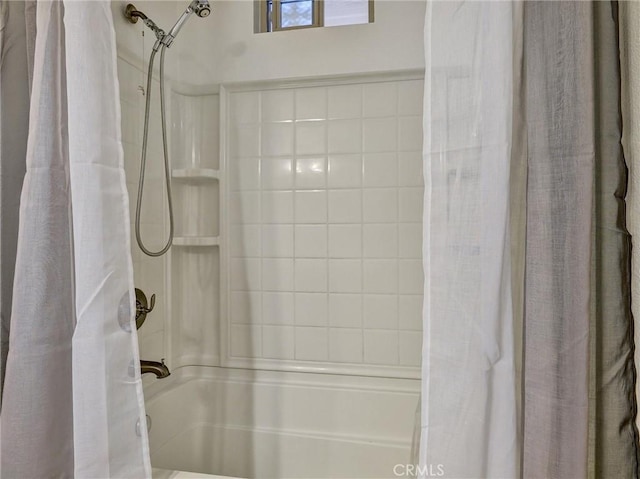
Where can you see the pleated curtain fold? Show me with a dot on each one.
(17, 35)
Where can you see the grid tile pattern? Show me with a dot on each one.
(325, 222)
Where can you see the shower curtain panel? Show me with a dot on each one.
(72, 403)
(630, 56)
(528, 336)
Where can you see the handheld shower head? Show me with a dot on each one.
(201, 8)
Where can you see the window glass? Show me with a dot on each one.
(296, 13)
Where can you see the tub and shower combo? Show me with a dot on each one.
(277, 225)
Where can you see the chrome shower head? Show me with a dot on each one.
(200, 8)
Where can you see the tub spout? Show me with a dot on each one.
(158, 368)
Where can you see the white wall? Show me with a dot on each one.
(128, 35)
(223, 47)
(392, 42)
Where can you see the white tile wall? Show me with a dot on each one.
(326, 188)
(277, 105)
(277, 241)
(345, 310)
(277, 174)
(381, 347)
(312, 344)
(244, 108)
(311, 275)
(246, 307)
(345, 171)
(311, 104)
(277, 308)
(345, 275)
(345, 101)
(311, 173)
(345, 206)
(311, 309)
(345, 345)
(311, 138)
(246, 341)
(345, 241)
(278, 342)
(311, 241)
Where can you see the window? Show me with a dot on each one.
(279, 15)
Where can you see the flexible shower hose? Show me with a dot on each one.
(143, 161)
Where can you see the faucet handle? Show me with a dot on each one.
(143, 307)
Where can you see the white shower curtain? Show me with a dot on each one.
(528, 334)
(72, 404)
(469, 376)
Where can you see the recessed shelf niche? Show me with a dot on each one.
(195, 257)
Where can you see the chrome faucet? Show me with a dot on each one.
(158, 368)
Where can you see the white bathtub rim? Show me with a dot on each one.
(296, 433)
(158, 473)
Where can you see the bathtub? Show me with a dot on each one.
(167, 474)
(271, 424)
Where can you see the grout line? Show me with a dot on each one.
(260, 141)
(294, 190)
(326, 189)
(362, 172)
(397, 223)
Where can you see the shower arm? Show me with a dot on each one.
(133, 14)
(199, 7)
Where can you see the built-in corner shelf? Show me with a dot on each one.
(196, 241)
(196, 174)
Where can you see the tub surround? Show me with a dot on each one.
(293, 336)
